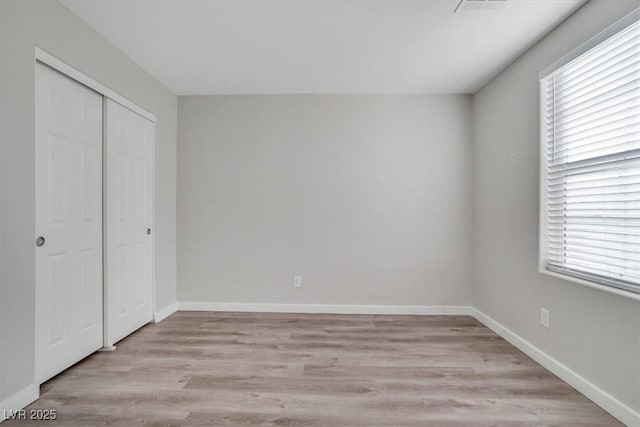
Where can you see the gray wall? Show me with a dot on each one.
(46, 23)
(595, 333)
(367, 197)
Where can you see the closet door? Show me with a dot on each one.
(129, 191)
(68, 155)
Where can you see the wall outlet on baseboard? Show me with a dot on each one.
(544, 317)
(297, 281)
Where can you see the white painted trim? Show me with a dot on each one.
(19, 401)
(154, 290)
(542, 179)
(600, 397)
(324, 308)
(105, 253)
(542, 175)
(162, 314)
(613, 29)
(64, 68)
(593, 285)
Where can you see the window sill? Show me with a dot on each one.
(593, 285)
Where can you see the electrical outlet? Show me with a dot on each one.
(297, 281)
(544, 317)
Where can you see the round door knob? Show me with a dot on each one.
(148, 231)
(40, 241)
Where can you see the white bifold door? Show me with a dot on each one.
(69, 314)
(129, 199)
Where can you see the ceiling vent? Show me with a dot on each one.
(471, 5)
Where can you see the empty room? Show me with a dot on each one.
(320, 213)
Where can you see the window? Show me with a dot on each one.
(590, 162)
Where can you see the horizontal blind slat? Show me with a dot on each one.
(618, 252)
(559, 235)
(608, 142)
(614, 104)
(615, 119)
(629, 89)
(623, 162)
(624, 59)
(623, 192)
(603, 84)
(592, 277)
(596, 265)
(606, 50)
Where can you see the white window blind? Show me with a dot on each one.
(591, 164)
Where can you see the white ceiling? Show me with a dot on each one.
(321, 46)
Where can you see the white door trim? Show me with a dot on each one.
(66, 69)
(57, 64)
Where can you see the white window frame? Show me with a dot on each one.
(607, 33)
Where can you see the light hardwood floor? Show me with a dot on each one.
(240, 369)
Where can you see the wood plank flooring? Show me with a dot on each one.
(241, 369)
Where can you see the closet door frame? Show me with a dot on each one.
(69, 71)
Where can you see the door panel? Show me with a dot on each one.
(68, 154)
(129, 190)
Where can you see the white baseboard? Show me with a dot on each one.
(603, 399)
(324, 308)
(162, 314)
(19, 401)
